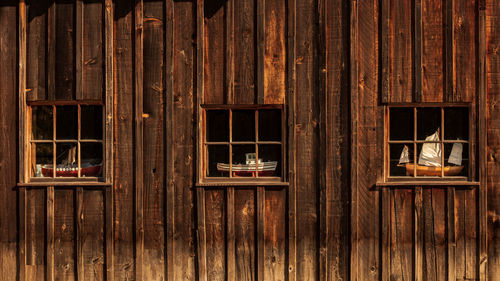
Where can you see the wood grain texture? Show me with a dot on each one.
(245, 90)
(92, 55)
(36, 50)
(432, 51)
(244, 232)
(434, 227)
(93, 235)
(274, 234)
(215, 223)
(36, 235)
(64, 51)
(214, 46)
(493, 135)
(8, 143)
(402, 234)
(123, 149)
(64, 234)
(465, 50)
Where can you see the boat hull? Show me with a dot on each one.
(433, 171)
(91, 171)
(265, 169)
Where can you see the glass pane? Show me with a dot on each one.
(456, 159)
(217, 125)
(243, 125)
(67, 122)
(218, 161)
(269, 160)
(428, 122)
(42, 122)
(401, 160)
(91, 121)
(456, 123)
(244, 161)
(270, 125)
(429, 162)
(42, 165)
(401, 123)
(91, 163)
(66, 160)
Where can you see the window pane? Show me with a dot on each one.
(401, 123)
(456, 159)
(42, 164)
(91, 162)
(401, 160)
(66, 160)
(244, 161)
(243, 125)
(270, 125)
(67, 122)
(218, 161)
(42, 122)
(217, 125)
(456, 123)
(428, 122)
(269, 160)
(91, 121)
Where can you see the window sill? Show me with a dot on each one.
(441, 183)
(244, 183)
(66, 182)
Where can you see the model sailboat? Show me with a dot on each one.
(69, 167)
(265, 169)
(429, 160)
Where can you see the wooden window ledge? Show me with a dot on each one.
(427, 183)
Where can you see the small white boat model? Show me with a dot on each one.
(250, 168)
(429, 160)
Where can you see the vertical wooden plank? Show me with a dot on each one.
(465, 26)
(386, 233)
(229, 66)
(139, 138)
(482, 104)
(275, 234)
(202, 238)
(244, 232)
(261, 43)
(417, 51)
(291, 272)
(80, 267)
(23, 221)
(451, 233)
(169, 149)
(449, 53)
(92, 54)
(123, 184)
(51, 51)
(64, 50)
(79, 49)
(386, 49)
(36, 50)
(230, 238)
(261, 222)
(402, 234)
(432, 51)
(109, 148)
(50, 234)
(245, 79)
(215, 228)
(23, 162)
(36, 234)
(64, 235)
(214, 81)
(93, 224)
(353, 36)
(418, 234)
(434, 226)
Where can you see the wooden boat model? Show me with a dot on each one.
(429, 162)
(64, 170)
(250, 168)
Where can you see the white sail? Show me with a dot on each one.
(404, 158)
(456, 154)
(431, 152)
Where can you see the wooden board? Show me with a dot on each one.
(92, 55)
(36, 52)
(274, 57)
(274, 234)
(434, 228)
(64, 235)
(93, 235)
(64, 51)
(401, 245)
(244, 232)
(214, 53)
(215, 222)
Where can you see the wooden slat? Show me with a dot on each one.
(23, 161)
(229, 77)
(275, 234)
(432, 51)
(215, 229)
(36, 53)
(80, 268)
(275, 52)
(354, 138)
(109, 234)
(451, 233)
(139, 140)
(261, 42)
(22, 232)
(201, 235)
(261, 222)
(50, 234)
(79, 49)
(482, 104)
(449, 52)
(386, 234)
(64, 235)
(64, 50)
(214, 45)
(417, 61)
(51, 51)
(169, 149)
(92, 51)
(418, 234)
(386, 50)
(230, 238)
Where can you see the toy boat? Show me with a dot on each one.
(64, 170)
(250, 168)
(429, 162)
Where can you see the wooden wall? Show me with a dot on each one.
(332, 64)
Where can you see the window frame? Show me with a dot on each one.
(430, 180)
(106, 175)
(202, 165)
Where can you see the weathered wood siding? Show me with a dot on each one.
(332, 64)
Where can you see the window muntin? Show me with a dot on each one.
(65, 141)
(436, 129)
(234, 138)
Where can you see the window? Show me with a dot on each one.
(243, 143)
(428, 143)
(65, 141)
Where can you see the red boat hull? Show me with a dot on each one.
(92, 171)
